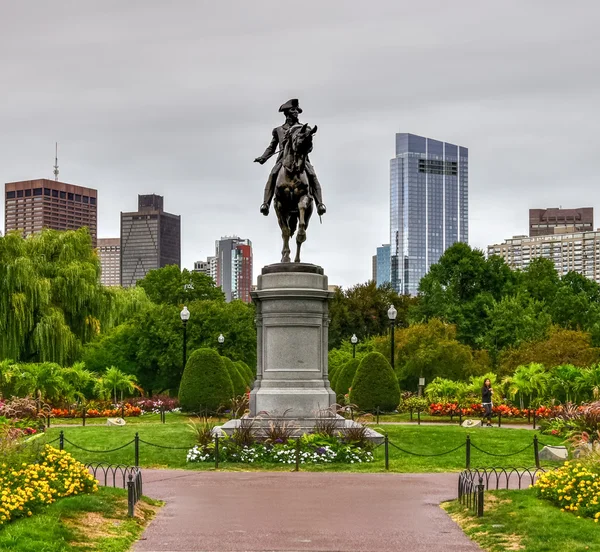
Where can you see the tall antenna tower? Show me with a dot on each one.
(56, 161)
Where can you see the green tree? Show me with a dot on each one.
(429, 350)
(205, 385)
(532, 381)
(588, 382)
(564, 382)
(561, 347)
(375, 385)
(362, 310)
(246, 372)
(172, 286)
(51, 299)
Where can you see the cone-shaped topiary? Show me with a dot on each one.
(333, 378)
(239, 381)
(246, 372)
(205, 384)
(343, 381)
(375, 385)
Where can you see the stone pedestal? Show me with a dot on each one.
(292, 318)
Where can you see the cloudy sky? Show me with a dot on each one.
(177, 98)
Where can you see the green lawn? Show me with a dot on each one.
(517, 520)
(416, 439)
(80, 523)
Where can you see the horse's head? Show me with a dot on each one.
(302, 139)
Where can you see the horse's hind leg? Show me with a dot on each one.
(285, 234)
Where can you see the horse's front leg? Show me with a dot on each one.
(301, 235)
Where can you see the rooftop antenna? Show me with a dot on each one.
(56, 161)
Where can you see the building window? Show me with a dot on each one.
(86, 199)
(78, 197)
(54, 193)
(93, 200)
(47, 191)
(10, 195)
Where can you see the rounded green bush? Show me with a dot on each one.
(239, 381)
(375, 385)
(246, 372)
(345, 377)
(205, 384)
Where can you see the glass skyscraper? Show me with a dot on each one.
(383, 265)
(429, 192)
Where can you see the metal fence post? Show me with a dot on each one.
(499, 419)
(130, 496)
(162, 413)
(216, 451)
(418, 417)
(536, 451)
(297, 455)
(137, 449)
(83, 415)
(480, 489)
(61, 440)
(468, 452)
(386, 447)
(460, 417)
(377, 413)
(534, 416)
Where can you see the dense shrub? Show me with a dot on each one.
(375, 385)
(346, 376)
(237, 379)
(246, 372)
(205, 384)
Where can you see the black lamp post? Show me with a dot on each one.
(354, 341)
(221, 340)
(392, 313)
(185, 316)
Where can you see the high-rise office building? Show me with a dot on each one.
(568, 249)
(384, 268)
(234, 268)
(109, 252)
(208, 267)
(374, 268)
(31, 205)
(150, 239)
(429, 191)
(544, 222)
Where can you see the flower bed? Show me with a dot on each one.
(475, 409)
(573, 487)
(282, 453)
(133, 407)
(31, 486)
(128, 412)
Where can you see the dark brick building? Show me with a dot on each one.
(31, 205)
(150, 239)
(545, 222)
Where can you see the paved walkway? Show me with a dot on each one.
(279, 511)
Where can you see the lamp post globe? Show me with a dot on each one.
(354, 341)
(221, 340)
(392, 313)
(185, 316)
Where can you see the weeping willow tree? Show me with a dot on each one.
(51, 299)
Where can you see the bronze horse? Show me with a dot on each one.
(293, 202)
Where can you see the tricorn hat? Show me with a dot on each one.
(289, 104)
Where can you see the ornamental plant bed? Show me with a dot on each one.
(26, 488)
(310, 449)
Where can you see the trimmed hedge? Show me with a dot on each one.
(205, 384)
(345, 377)
(246, 372)
(375, 385)
(239, 381)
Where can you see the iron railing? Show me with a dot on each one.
(119, 476)
(473, 483)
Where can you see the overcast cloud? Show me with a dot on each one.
(177, 98)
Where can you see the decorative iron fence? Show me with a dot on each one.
(119, 476)
(473, 483)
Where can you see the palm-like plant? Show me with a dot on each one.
(531, 380)
(441, 389)
(588, 381)
(114, 380)
(43, 380)
(564, 382)
(77, 378)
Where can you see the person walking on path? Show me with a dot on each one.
(486, 401)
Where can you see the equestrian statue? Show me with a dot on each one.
(292, 182)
